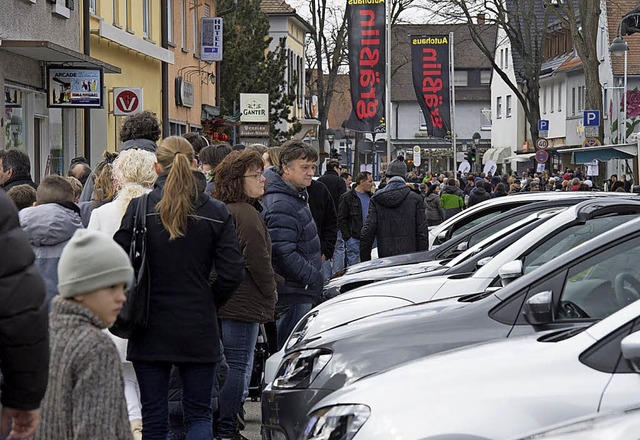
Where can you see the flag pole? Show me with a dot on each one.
(387, 104)
(453, 101)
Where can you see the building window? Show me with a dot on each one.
(560, 97)
(573, 101)
(460, 78)
(183, 22)
(605, 101)
(93, 6)
(422, 121)
(146, 18)
(207, 10)
(177, 128)
(506, 58)
(127, 15)
(485, 77)
(508, 109)
(552, 105)
(543, 92)
(194, 17)
(581, 91)
(170, 21)
(115, 11)
(499, 107)
(502, 58)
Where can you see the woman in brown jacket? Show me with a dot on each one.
(239, 184)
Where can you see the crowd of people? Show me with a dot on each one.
(238, 239)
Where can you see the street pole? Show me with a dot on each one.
(387, 103)
(453, 100)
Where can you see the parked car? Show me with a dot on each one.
(581, 286)
(481, 212)
(616, 425)
(509, 213)
(495, 390)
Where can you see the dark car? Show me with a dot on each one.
(585, 284)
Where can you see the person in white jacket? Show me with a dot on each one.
(133, 175)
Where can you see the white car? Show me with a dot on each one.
(496, 390)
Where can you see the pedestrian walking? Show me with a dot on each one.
(240, 185)
(352, 212)
(188, 232)
(396, 218)
(296, 254)
(24, 349)
(85, 396)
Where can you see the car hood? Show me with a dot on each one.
(509, 380)
(395, 260)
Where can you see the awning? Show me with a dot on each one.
(54, 53)
(497, 154)
(602, 153)
(526, 157)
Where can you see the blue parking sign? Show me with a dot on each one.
(591, 118)
(543, 125)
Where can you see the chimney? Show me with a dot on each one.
(480, 18)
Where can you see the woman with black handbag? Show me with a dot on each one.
(187, 232)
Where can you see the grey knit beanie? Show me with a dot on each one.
(91, 261)
(396, 168)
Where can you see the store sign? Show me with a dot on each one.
(254, 130)
(184, 92)
(69, 87)
(127, 101)
(254, 107)
(211, 39)
(12, 97)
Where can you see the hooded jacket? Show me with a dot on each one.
(451, 201)
(397, 219)
(24, 349)
(478, 195)
(50, 227)
(296, 253)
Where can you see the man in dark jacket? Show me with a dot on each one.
(324, 214)
(479, 193)
(23, 328)
(334, 183)
(352, 212)
(396, 218)
(296, 252)
(15, 169)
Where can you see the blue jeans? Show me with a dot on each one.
(197, 384)
(239, 340)
(288, 317)
(339, 254)
(353, 251)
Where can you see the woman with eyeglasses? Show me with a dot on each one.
(240, 184)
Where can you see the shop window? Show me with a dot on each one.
(56, 143)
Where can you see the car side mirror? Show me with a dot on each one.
(462, 247)
(482, 261)
(539, 308)
(510, 271)
(630, 346)
(441, 237)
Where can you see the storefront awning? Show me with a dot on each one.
(497, 154)
(602, 153)
(526, 157)
(54, 53)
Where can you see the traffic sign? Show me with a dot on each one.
(543, 125)
(591, 132)
(127, 100)
(542, 143)
(591, 142)
(591, 118)
(542, 156)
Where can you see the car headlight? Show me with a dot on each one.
(300, 331)
(300, 368)
(340, 422)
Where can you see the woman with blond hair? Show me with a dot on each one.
(133, 175)
(187, 233)
(239, 184)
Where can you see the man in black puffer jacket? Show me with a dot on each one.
(396, 218)
(24, 327)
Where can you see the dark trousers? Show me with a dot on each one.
(197, 384)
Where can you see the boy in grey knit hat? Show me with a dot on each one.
(85, 397)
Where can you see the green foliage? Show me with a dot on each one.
(249, 67)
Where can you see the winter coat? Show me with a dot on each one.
(397, 219)
(19, 180)
(50, 227)
(451, 201)
(296, 251)
(85, 398)
(324, 214)
(182, 323)
(336, 186)
(435, 213)
(24, 346)
(350, 219)
(478, 195)
(255, 299)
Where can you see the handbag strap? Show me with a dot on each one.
(139, 227)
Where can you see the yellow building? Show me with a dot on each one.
(127, 34)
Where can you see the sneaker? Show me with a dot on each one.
(240, 417)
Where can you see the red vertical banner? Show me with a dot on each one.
(366, 24)
(430, 67)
